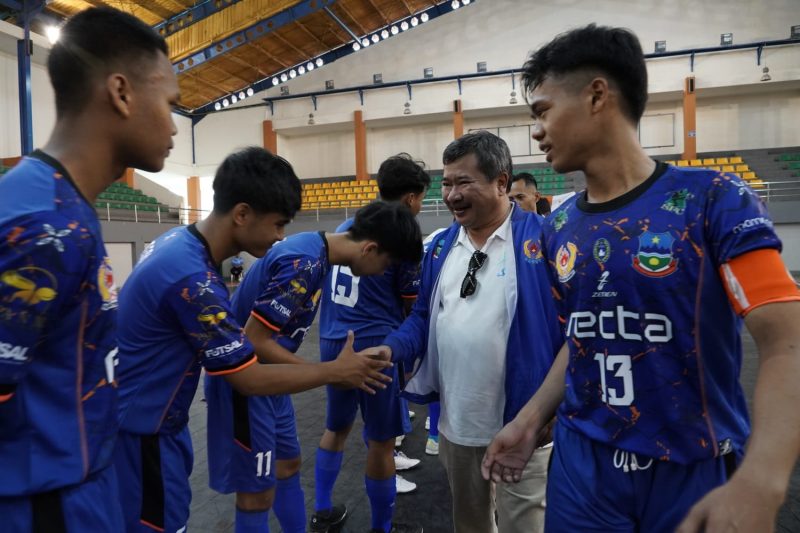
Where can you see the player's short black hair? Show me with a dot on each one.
(264, 181)
(392, 226)
(400, 175)
(543, 206)
(95, 43)
(614, 52)
(527, 177)
(494, 157)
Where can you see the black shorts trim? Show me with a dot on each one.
(241, 420)
(152, 512)
(48, 513)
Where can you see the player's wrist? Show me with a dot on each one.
(770, 483)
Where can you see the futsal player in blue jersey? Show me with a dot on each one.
(112, 82)
(278, 300)
(655, 269)
(371, 307)
(175, 319)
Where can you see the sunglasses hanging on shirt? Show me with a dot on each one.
(470, 284)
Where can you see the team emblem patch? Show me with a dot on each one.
(30, 285)
(654, 258)
(438, 248)
(560, 219)
(676, 203)
(532, 251)
(106, 286)
(565, 261)
(601, 250)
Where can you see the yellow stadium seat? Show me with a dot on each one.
(708, 161)
(737, 174)
(728, 168)
(347, 190)
(326, 185)
(341, 197)
(352, 196)
(683, 163)
(670, 162)
(714, 167)
(723, 161)
(749, 175)
(742, 168)
(695, 163)
(324, 205)
(757, 184)
(735, 160)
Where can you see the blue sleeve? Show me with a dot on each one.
(44, 262)
(408, 279)
(200, 303)
(410, 340)
(292, 282)
(737, 220)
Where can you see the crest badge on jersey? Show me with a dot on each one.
(676, 201)
(560, 219)
(106, 286)
(532, 251)
(601, 250)
(655, 258)
(565, 261)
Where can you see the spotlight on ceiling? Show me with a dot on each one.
(301, 70)
(404, 25)
(217, 106)
(250, 91)
(365, 42)
(375, 38)
(310, 66)
(293, 73)
(455, 4)
(319, 61)
(356, 47)
(275, 81)
(465, 2)
(225, 102)
(395, 30)
(53, 33)
(241, 95)
(385, 34)
(414, 21)
(234, 99)
(284, 77)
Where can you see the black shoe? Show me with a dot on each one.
(329, 521)
(401, 528)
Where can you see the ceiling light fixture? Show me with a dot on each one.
(250, 91)
(385, 34)
(414, 21)
(376, 38)
(225, 102)
(424, 17)
(301, 70)
(356, 47)
(234, 99)
(275, 81)
(310, 66)
(284, 77)
(53, 33)
(455, 4)
(319, 62)
(217, 106)
(395, 30)
(241, 95)
(293, 73)
(404, 25)
(365, 42)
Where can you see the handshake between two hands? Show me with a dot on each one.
(364, 369)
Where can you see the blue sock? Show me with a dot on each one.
(381, 493)
(290, 505)
(433, 411)
(326, 469)
(252, 522)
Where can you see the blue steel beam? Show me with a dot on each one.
(24, 52)
(252, 33)
(193, 15)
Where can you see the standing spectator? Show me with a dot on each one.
(237, 268)
(525, 191)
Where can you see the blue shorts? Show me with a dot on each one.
(245, 436)
(594, 487)
(385, 415)
(153, 473)
(90, 506)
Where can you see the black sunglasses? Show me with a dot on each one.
(469, 284)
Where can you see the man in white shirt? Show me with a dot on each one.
(485, 331)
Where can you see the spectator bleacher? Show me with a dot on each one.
(730, 165)
(120, 196)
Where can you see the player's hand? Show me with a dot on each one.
(741, 504)
(360, 370)
(509, 452)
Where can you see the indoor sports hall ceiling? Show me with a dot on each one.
(225, 47)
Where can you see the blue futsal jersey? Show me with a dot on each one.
(174, 318)
(282, 289)
(370, 306)
(58, 302)
(654, 346)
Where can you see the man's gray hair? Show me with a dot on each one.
(494, 157)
